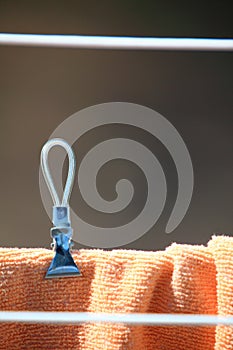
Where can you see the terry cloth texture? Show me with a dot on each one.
(181, 279)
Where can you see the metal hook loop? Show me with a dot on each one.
(47, 174)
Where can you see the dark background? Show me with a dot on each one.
(41, 87)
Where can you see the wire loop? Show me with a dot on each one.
(47, 174)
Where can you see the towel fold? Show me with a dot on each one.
(181, 279)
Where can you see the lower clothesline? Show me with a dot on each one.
(129, 318)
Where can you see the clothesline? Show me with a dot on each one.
(132, 318)
(115, 42)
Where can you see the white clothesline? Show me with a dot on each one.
(130, 318)
(114, 42)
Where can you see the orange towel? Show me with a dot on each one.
(181, 279)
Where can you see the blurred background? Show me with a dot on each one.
(41, 87)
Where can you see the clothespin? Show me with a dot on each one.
(62, 264)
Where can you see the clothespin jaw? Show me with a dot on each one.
(63, 264)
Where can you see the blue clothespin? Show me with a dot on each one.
(62, 264)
